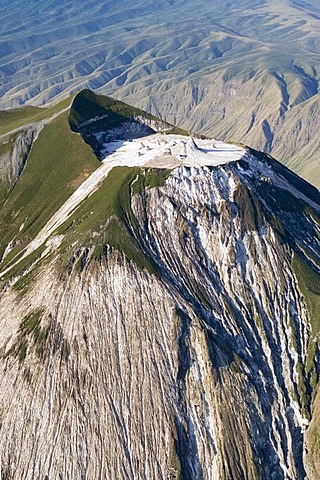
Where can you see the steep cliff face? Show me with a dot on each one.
(13, 160)
(168, 328)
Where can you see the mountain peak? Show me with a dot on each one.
(101, 120)
(182, 266)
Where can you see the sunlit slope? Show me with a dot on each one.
(41, 164)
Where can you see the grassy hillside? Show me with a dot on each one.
(106, 216)
(16, 118)
(58, 163)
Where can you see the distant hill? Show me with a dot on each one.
(247, 71)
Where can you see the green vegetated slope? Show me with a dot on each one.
(18, 128)
(309, 284)
(313, 439)
(17, 118)
(59, 161)
(106, 217)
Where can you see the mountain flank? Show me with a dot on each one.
(159, 307)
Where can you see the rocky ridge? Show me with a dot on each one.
(179, 330)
